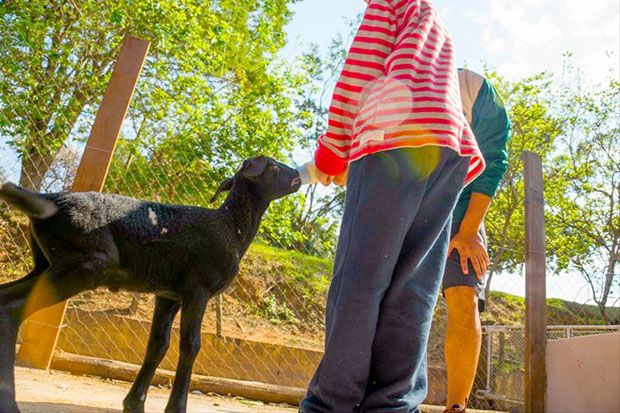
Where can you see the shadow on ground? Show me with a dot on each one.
(32, 407)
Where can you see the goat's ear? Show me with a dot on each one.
(255, 168)
(224, 186)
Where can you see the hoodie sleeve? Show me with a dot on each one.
(491, 127)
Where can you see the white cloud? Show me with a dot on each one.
(507, 13)
(578, 11)
(532, 3)
(527, 35)
(530, 36)
(476, 16)
(494, 45)
(518, 37)
(517, 68)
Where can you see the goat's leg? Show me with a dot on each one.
(191, 320)
(8, 330)
(19, 301)
(11, 309)
(159, 340)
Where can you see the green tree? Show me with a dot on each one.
(291, 223)
(308, 222)
(583, 190)
(209, 84)
(62, 173)
(576, 132)
(533, 128)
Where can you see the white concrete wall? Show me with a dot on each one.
(583, 374)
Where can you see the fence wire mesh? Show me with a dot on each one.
(500, 381)
(45, 114)
(272, 319)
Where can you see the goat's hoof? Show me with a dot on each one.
(175, 409)
(130, 406)
(8, 407)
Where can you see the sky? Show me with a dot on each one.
(517, 38)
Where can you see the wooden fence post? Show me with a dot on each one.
(535, 289)
(40, 332)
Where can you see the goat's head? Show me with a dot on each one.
(267, 177)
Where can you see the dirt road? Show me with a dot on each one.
(52, 391)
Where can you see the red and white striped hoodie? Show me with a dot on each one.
(398, 88)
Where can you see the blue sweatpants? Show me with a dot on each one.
(387, 273)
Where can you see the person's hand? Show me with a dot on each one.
(341, 178)
(471, 247)
(324, 178)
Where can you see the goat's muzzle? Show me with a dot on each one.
(296, 182)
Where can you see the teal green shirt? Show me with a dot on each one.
(485, 111)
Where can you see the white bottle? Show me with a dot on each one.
(307, 173)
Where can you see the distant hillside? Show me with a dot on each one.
(509, 309)
(301, 282)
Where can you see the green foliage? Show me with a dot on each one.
(210, 83)
(533, 128)
(583, 188)
(284, 286)
(279, 227)
(575, 130)
(276, 311)
(291, 223)
(313, 274)
(309, 221)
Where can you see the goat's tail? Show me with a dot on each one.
(31, 203)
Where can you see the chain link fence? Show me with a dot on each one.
(271, 324)
(502, 373)
(270, 328)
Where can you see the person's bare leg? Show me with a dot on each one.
(462, 345)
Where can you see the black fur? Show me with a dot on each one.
(28, 202)
(184, 255)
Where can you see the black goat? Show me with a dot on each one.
(184, 255)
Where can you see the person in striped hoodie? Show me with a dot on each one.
(398, 136)
(463, 281)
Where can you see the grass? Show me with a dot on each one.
(310, 276)
(284, 286)
(300, 268)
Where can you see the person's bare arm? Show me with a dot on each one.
(468, 241)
